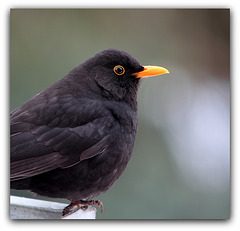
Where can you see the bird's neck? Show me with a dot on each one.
(128, 96)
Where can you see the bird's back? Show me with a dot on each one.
(70, 146)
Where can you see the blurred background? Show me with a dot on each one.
(180, 168)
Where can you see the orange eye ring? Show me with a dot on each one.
(119, 70)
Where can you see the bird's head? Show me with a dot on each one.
(118, 74)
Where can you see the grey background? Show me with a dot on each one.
(180, 168)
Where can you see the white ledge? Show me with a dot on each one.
(26, 208)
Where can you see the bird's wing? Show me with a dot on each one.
(60, 138)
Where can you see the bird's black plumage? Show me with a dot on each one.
(74, 139)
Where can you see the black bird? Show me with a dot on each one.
(74, 139)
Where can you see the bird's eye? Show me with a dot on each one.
(119, 70)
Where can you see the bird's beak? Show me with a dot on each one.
(151, 71)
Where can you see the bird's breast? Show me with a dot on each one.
(115, 158)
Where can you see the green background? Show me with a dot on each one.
(180, 168)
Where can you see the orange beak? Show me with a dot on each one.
(151, 71)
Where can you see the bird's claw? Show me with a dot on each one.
(92, 202)
(81, 204)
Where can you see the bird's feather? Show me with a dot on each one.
(38, 146)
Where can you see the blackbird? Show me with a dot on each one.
(74, 139)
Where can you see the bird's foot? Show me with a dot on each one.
(84, 204)
(81, 204)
